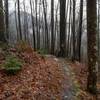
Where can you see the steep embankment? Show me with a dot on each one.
(41, 78)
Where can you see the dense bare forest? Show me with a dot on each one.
(49, 50)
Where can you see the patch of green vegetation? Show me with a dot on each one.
(12, 65)
(42, 51)
(4, 46)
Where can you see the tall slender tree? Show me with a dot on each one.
(44, 2)
(92, 52)
(33, 28)
(52, 26)
(98, 41)
(37, 26)
(25, 26)
(7, 18)
(2, 29)
(73, 30)
(69, 29)
(19, 20)
(16, 21)
(80, 30)
(62, 28)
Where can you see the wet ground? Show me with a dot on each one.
(69, 93)
(70, 90)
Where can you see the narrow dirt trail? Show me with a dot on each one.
(75, 91)
(70, 90)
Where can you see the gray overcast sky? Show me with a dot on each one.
(11, 2)
(27, 2)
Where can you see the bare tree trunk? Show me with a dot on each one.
(36, 16)
(39, 26)
(26, 35)
(62, 52)
(33, 29)
(69, 29)
(2, 29)
(92, 52)
(80, 30)
(7, 19)
(52, 27)
(46, 26)
(73, 30)
(19, 20)
(98, 37)
(16, 22)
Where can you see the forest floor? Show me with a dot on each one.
(43, 77)
(77, 78)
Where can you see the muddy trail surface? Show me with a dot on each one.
(70, 91)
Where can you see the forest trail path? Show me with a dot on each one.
(71, 90)
(76, 74)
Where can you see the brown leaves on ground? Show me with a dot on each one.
(40, 79)
(81, 71)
